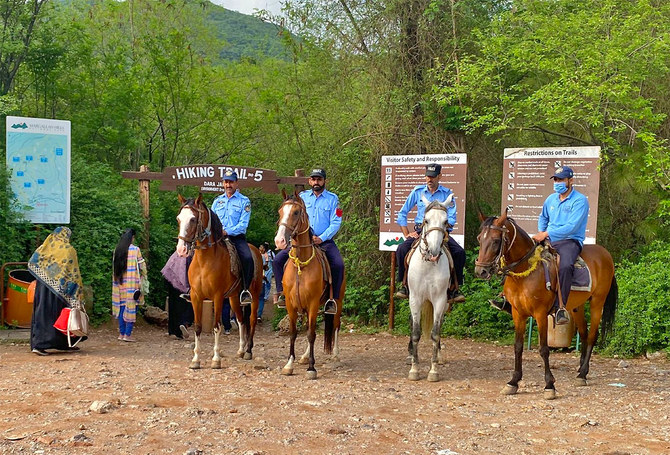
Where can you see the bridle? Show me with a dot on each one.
(424, 234)
(293, 233)
(498, 264)
(201, 232)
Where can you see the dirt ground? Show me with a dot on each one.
(363, 404)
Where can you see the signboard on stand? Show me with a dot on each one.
(526, 182)
(38, 160)
(400, 175)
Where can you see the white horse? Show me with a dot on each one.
(428, 278)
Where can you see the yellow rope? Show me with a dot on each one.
(298, 263)
(533, 261)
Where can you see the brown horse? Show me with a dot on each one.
(211, 277)
(304, 285)
(507, 249)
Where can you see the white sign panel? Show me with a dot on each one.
(38, 159)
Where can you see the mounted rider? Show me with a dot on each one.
(325, 217)
(432, 191)
(234, 210)
(563, 222)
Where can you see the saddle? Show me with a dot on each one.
(581, 280)
(452, 271)
(236, 263)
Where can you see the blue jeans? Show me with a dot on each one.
(125, 328)
(264, 296)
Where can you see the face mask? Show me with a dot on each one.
(560, 187)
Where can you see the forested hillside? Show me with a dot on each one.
(155, 83)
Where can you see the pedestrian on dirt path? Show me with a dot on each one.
(129, 271)
(180, 311)
(268, 256)
(56, 267)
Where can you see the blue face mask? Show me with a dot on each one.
(560, 187)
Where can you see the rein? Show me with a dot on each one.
(499, 265)
(445, 236)
(200, 233)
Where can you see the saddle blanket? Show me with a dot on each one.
(581, 280)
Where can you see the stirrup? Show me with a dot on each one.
(330, 307)
(186, 296)
(281, 301)
(245, 297)
(562, 316)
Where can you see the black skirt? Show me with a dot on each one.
(46, 309)
(180, 312)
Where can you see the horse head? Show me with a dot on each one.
(435, 228)
(292, 219)
(192, 216)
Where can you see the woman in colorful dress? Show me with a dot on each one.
(129, 268)
(56, 267)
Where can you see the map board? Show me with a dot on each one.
(526, 182)
(38, 159)
(400, 174)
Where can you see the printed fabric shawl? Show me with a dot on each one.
(55, 263)
(122, 293)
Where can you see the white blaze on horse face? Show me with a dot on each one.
(280, 237)
(434, 219)
(184, 218)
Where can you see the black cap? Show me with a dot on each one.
(433, 170)
(318, 172)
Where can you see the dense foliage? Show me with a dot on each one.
(339, 83)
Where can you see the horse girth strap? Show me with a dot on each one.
(297, 262)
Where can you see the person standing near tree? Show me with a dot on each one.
(129, 270)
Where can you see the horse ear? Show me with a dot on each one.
(283, 194)
(448, 203)
(181, 198)
(425, 200)
(198, 200)
(501, 220)
(480, 214)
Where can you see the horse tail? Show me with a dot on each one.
(328, 333)
(426, 319)
(246, 319)
(607, 320)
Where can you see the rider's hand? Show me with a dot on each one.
(541, 236)
(225, 233)
(317, 240)
(413, 235)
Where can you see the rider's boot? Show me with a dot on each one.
(402, 292)
(281, 301)
(330, 307)
(186, 296)
(245, 297)
(501, 303)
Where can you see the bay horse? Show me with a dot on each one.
(211, 277)
(304, 285)
(507, 249)
(428, 277)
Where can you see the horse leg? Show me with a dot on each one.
(293, 330)
(519, 332)
(410, 347)
(195, 362)
(311, 337)
(237, 309)
(218, 309)
(250, 327)
(438, 317)
(414, 339)
(336, 333)
(304, 359)
(582, 329)
(587, 347)
(549, 389)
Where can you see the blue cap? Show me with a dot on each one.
(230, 175)
(563, 172)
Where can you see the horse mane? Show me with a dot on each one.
(217, 227)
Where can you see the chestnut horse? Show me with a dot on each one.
(211, 277)
(507, 249)
(304, 286)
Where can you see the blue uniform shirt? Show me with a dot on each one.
(414, 199)
(234, 212)
(324, 213)
(565, 219)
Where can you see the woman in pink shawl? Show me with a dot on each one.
(129, 268)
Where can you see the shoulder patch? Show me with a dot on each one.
(247, 208)
(338, 211)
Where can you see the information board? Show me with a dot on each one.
(527, 182)
(400, 174)
(38, 159)
(209, 177)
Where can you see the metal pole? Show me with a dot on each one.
(392, 291)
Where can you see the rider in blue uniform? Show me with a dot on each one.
(234, 210)
(432, 191)
(563, 222)
(325, 217)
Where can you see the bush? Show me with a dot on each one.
(643, 313)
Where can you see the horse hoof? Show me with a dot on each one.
(216, 364)
(303, 360)
(549, 394)
(287, 371)
(240, 354)
(433, 377)
(413, 376)
(194, 366)
(580, 382)
(408, 360)
(311, 374)
(247, 356)
(509, 389)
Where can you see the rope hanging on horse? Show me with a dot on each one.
(297, 262)
(533, 262)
